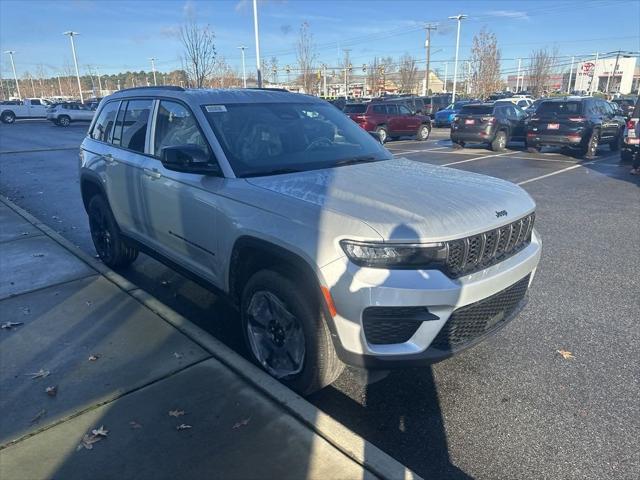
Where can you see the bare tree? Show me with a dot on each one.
(306, 55)
(407, 72)
(373, 75)
(485, 64)
(540, 69)
(199, 58)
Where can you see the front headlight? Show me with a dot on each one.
(395, 256)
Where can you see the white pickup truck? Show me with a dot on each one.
(27, 108)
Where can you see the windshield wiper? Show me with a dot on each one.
(353, 160)
(277, 171)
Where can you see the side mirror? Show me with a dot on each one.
(188, 159)
(376, 137)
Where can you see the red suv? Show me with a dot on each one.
(389, 120)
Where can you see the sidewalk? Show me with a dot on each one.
(175, 401)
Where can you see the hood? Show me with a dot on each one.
(405, 200)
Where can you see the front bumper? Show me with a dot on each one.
(355, 289)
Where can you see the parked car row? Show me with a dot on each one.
(576, 123)
(60, 113)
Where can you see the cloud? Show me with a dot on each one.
(189, 9)
(171, 31)
(241, 5)
(285, 29)
(513, 14)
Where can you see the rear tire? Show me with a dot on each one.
(534, 149)
(591, 148)
(458, 144)
(64, 121)
(108, 241)
(383, 133)
(8, 117)
(273, 335)
(499, 143)
(423, 132)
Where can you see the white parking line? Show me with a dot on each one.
(474, 159)
(573, 167)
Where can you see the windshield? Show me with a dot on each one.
(560, 108)
(270, 138)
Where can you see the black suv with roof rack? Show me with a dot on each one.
(578, 123)
(494, 124)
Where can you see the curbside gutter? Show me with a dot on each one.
(346, 441)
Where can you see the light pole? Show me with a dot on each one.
(71, 34)
(459, 18)
(244, 72)
(153, 69)
(13, 66)
(594, 77)
(446, 74)
(518, 76)
(255, 30)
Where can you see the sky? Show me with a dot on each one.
(120, 35)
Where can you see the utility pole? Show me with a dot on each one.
(446, 75)
(255, 29)
(324, 80)
(71, 34)
(244, 72)
(427, 45)
(518, 77)
(459, 18)
(570, 73)
(347, 62)
(594, 78)
(153, 69)
(33, 89)
(13, 66)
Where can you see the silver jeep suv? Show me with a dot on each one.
(333, 251)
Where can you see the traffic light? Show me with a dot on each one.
(364, 67)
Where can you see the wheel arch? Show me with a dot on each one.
(90, 185)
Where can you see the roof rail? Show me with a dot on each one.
(268, 88)
(156, 87)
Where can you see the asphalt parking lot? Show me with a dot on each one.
(512, 407)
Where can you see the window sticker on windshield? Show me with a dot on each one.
(216, 108)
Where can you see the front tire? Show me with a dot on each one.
(423, 132)
(616, 143)
(286, 332)
(8, 117)
(64, 121)
(499, 143)
(107, 240)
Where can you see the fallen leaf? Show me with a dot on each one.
(565, 354)
(88, 441)
(26, 310)
(100, 432)
(176, 413)
(242, 423)
(89, 303)
(38, 416)
(183, 426)
(177, 355)
(37, 255)
(135, 425)
(52, 391)
(10, 325)
(93, 357)
(40, 374)
(165, 283)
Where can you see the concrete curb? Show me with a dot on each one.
(346, 441)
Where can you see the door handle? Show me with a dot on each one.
(108, 158)
(152, 173)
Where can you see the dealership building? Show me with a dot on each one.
(618, 74)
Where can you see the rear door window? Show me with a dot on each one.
(134, 128)
(379, 109)
(104, 124)
(404, 110)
